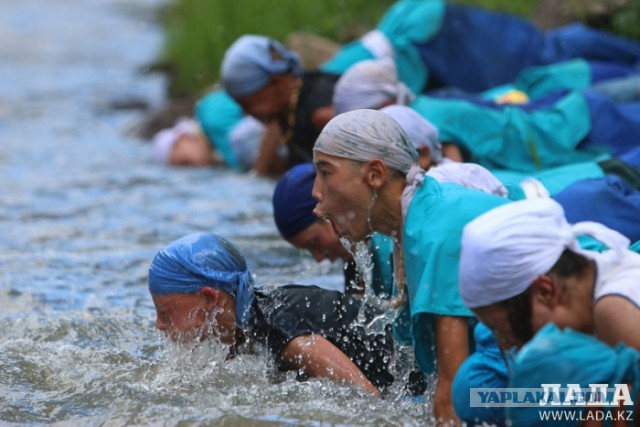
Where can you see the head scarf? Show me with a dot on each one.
(245, 138)
(368, 84)
(292, 201)
(505, 249)
(362, 135)
(203, 259)
(420, 131)
(564, 357)
(164, 140)
(249, 63)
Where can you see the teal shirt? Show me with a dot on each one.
(381, 247)
(405, 23)
(511, 138)
(554, 179)
(217, 114)
(431, 244)
(536, 82)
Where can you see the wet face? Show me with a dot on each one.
(191, 150)
(196, 316)
(343, 195)
(270, 103)
(495, 317)
(321, 241)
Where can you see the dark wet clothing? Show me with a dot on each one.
(316, 92)
(280, 314)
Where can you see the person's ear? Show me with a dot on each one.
(211, 297)
(377, 172)
(545, 291)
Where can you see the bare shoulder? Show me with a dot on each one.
(616, 319)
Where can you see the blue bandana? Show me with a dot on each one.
(292, 201)
(203, 259)
(249, 63)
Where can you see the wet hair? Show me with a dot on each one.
(570, 264)
(519, 310)
(519, 315)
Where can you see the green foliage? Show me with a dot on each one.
(199, 31)
(627, 21)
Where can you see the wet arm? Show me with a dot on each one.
(452, 348)
(318, 357)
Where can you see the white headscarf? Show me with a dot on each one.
(505, 249)
(420, 131)
(362, 135)
(164, 140)
(368, 84)
(469, 175)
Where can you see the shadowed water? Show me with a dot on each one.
(83, 211)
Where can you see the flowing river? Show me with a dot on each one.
(82, 212)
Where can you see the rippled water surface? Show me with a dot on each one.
(82, 212)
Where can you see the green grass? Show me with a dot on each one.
(199, 31)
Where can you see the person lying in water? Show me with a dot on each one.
(202, 289)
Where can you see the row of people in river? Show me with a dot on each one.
(294, 226)
(367, 182)
(554, 130)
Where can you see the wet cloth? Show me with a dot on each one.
(251, 60)
(556, 356)
(203, 259)
(504, 250)
(292, 201)
(218, 114)
(280, 314)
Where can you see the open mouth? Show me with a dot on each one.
(335, 228)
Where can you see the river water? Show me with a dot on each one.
(82, 212)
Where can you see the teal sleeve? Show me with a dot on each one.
(217, 113)
(405, 24)
(431, 244)
(569, 75)
(510, 137)
(554, 179)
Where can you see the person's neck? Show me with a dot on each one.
(388, 211)
(579, 303)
